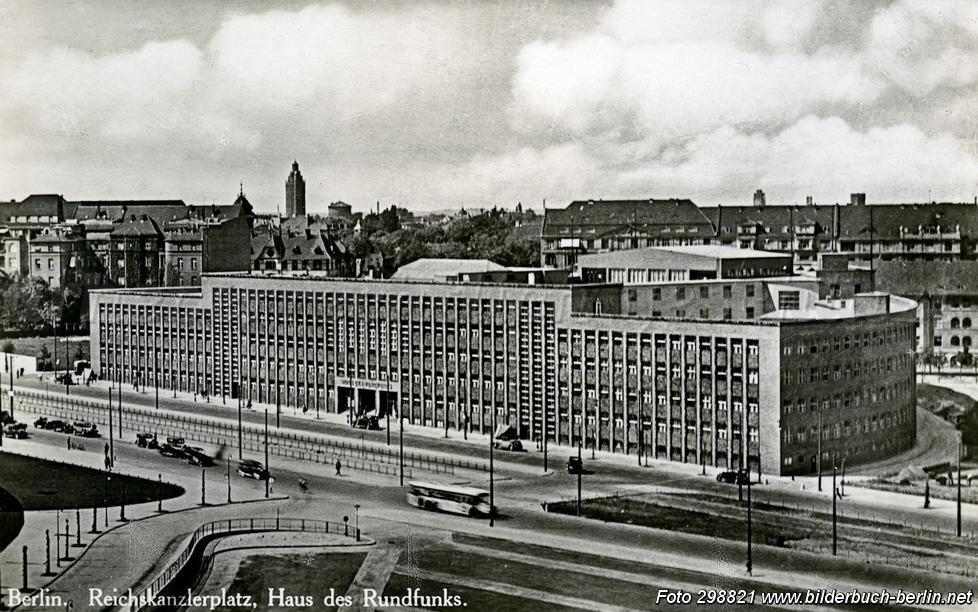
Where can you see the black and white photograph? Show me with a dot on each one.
(497, 305)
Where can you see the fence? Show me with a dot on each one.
(150, 596)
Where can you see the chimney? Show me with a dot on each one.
(809, 201)
(857, 199)
(759, 198)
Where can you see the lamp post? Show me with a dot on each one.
(580, 470)
(750, 557)
(492, 476)
(835, 494)
(818, 459)
(268, 471)
(111, 437)
(240, 435)
(400, 418)
(959, 487)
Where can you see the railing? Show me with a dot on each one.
(147, 598)
(295, 445)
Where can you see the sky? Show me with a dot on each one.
(440, 104)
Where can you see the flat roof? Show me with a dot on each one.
(717, 251)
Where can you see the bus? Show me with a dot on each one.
(448, 498)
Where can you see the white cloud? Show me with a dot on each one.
(661, 70)
(822, 157)
(125, 95)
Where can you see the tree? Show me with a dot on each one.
(8, 347)
(44, 358)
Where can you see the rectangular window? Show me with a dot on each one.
(704, 293)
(750, 290)
(789, 300)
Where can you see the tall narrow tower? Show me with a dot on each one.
(295, 193)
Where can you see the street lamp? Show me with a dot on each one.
(268, 471)
(750, 558)
(819, 458)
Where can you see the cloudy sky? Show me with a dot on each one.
(439, 104)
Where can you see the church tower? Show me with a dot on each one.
(295, 193)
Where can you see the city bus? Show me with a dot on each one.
(448, 498)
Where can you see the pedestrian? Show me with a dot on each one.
(338, 466)
(69, 442)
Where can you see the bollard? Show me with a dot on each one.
(47, 552)
(94, 520)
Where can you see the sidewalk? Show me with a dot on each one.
(798, 492)
(121, 559)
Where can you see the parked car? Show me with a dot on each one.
(575, 465)
(16, 430)
(249, 468)
(86, 430)
(41, 423)
(147, 440)
(5, 417)
(196, 456)
(733, 477)
(175, 442)
(509, 445)
(65, 379)
(60, 426)
(168, 450)
(367, 422)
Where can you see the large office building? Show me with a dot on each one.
(752, 371)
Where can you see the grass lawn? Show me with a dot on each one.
(637, 512)
(11, 518)
(451, 561)
(476, 599)
(46, 485)
(312, 574)
(31, 346)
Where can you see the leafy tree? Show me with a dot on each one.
(8, 347)
(44, 358)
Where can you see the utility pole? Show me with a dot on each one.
(111, 442)
(492, 476)
(959, 487)
(835, 521)
(819, 458)
(580, 470)
(750, 558)
(240, 435)
(268, 471)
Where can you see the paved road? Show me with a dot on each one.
(708, 562)
(613, 474)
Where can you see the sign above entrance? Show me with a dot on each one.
(363, 383)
